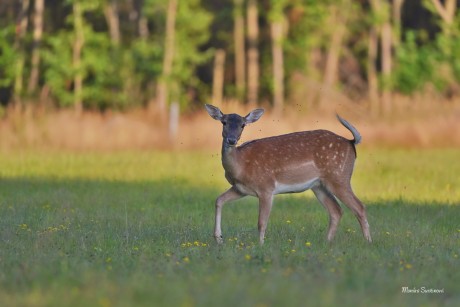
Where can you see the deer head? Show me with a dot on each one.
(233, 124)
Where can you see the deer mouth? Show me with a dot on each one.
(231, 141)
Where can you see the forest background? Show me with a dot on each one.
(137, 71)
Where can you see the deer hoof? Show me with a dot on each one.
(219, 239)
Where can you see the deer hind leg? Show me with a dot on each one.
(346, 195)
(330, 203)
(265, 206)
(229, 195)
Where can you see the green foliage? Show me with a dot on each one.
(104, 82)
(306, 32)
(125, 75)
(104, 68)
(277, 8)
(382, 14)
(455, 59)
(8, 56)
(146, 58)
(416, 66)
(192, 31)
(419, 64)
(449, 45)
(58, 60)
(112, 75)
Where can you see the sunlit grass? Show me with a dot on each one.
(135, 228)
(416, 175)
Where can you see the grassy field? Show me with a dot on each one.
(135, 228)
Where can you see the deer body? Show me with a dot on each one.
(319, 160)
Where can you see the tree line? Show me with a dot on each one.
(121, 54)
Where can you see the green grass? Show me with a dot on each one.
(135, 228)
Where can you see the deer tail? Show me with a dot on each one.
(356, 135)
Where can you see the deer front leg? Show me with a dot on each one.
(265, 206)
(229, 195)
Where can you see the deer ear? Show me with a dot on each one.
(253, 116)
(214, 112)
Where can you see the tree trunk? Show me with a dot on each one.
(77, 49)
(162, 87)
(314, 77)
(253, 52)
(397, 6)
(278, 65)
(371, 71)
(218, 78)
(240, 63)
(332, 59)
(38, 30)
(143, 28)
(386, 45)
(447, 11)
(174, 112)
(113, 21)
(137, 17)
(21, 28)
(333, 55)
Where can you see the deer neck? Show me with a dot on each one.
(230, 160)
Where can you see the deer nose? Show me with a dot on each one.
(231, 141)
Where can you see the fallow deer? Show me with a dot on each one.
(319, 160)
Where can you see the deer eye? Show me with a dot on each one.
(224, 123)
